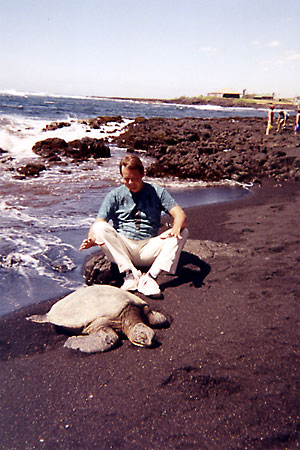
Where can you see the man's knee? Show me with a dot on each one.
(176, 243)
(101, 229)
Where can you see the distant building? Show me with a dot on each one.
(224, 94)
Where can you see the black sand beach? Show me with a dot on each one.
(225, 374)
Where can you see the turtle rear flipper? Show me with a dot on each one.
(157, 319)
(102, 341)
(38, 318)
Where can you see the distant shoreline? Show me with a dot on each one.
(216, 101)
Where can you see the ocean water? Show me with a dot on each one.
(43, 220)
(53, 107)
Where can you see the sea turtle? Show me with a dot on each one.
(97, 312)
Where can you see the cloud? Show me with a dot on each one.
(287, 58)
(273, 44)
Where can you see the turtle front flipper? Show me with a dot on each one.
(101, 341)
(134, 327)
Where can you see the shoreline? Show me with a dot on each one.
(211, 101)
(226, 372)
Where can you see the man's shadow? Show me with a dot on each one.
(190, 269)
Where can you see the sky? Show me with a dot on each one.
(150, 48)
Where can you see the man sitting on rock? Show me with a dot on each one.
(133, 242)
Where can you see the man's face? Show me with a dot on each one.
(132, 179)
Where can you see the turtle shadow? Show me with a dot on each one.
(190, 269)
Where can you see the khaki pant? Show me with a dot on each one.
(269, 128)
(128, 254)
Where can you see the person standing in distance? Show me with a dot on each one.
(132, 241)
(297, 122)
(270, 119)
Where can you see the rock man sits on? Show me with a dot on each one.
(132, 241)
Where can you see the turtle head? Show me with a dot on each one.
(141, 335)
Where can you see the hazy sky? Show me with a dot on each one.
(150, 48)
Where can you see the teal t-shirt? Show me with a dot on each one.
(136, 215)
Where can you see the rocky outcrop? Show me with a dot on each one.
(30, 170)
(215, 149)
(50, 149)
(53, 149)
(56, 125)
(93, 123)
(97, 122)
(88, 148)
(98, 270)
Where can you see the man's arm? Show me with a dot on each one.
(91, 239)
(179, 221)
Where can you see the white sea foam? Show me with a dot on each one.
(15, 93)
(36, 253)
(237, 109)
(18, 134)
(26, 94)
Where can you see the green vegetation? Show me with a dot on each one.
(242, 102)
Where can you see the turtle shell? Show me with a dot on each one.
(88, 303)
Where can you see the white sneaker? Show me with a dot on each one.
(131, 281)
(148, 286)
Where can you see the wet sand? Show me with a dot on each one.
(224, 375)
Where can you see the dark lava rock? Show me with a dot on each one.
(98, 270)
(97, 122)
(215, 149)
(56, 125)
(50, 147)
(31, 170)
(87, 148)
(55, 148)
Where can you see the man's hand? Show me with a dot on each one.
(88, 243)
(178, 224)
(171, 233)
(91, 239)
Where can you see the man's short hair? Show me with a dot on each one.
(132, 162)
